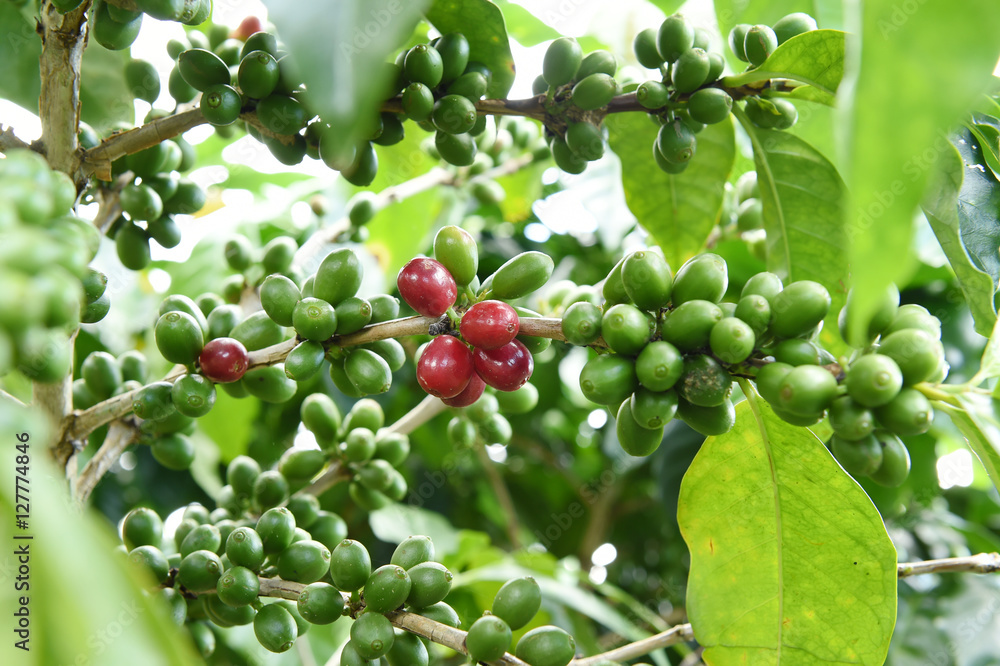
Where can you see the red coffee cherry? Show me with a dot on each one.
(489, 325)
(469, 394)
(445, 367)
(506, 368)
(427, 286)
(224, 360)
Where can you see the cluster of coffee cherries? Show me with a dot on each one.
(754, 44)
(574, 86)
(48, 288)
(116, 28)
(220, 568)
(684, 99)
(743, 215)
(484, 421)
(446, 366)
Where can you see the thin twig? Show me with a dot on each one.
(120, 436)
(98, 159)
(333, 475)
(503, 496)
(7, 396)
(672, 636)
(983, 563)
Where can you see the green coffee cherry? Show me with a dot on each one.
(152, 560)
(759, 43)
(646, 279)
(200, 571)
(244, 548)
(417, 102)
(353, 314)
(881, 319)
(585, 140)
(275, 628)
(241, 474)
(546, 646)
(764, 284)
(689, 326)
(653, 409)
(645, 49)
(565, 158)
(562, 61)
(454, 114)
(755, 311)
(895, 465)
(914, 316)
(517, 601)
(372, 635)
(173, 451)
(423, 64)
(279, 296)
(488, 638)
(652, 95)
(581, 323)
(690, 71)
(276, 528)
(412, 551)
(320, 603)
(430, 583)
(321, 416)
(909, 413)
(625, 328)
(193, 395)
(659, 366)
(599, 61)
(634, 437)
(301, 464)
(608, 379)
(917, 353)
(202, 69)
(594, 91)
(850, 421)
(873, 380)
(704, 277)
(102, 374)
(704, 382)
(710, 105)
(304, 561)
(793, 24)
(806, 390)
(676, 143)
(350, 565)
(796, 352)
(675, 36)
(859, 457)
(368, 372)
(407, 650)
(258, 74)
(238, 586)
(732, 340)
(799, 308)
(329, 529)
(114, 35)
(269, 383)
(304, 361)
(314, 319)
(456, 249)
(142, 527)
(202, 537)
(132, 246)
(257, 331)
(387, 588)
(521, 275)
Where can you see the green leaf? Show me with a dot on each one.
(989, 367)
(20, 48)
(941, 206)
(979, 207)
(790, 561)
(523, 188)
(803, 199)
(230, 424)
(524, 26)
(399, 521)
(340, 49)
(679, 211)
(814, 58)
(81, 590)
(397, 230)
(988, 135)
(914, 75)
(482, 24)
(105, 98)
(978, 420)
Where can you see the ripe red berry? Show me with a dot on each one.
(489, 325)
(506, 368)
(224, 360)
(469, 394)
(247, 27)
(427, 286)
(445, 367)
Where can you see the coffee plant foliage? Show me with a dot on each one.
(336, 334)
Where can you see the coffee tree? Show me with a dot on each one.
(673, 359)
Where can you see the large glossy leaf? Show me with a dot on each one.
(482, 23)
(679, 211)
(340, 49)
(803, 199)
(979, 206)
(978, 419)
(989, 367)
(86, 604)
(889, 148)
(815, 59)
(790, 561)
(948, 183)
(524, 26)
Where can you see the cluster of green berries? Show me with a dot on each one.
(575, 86)
(212, 572)
(486, 349)
(48, 287)
(684, 100)
(743, 215)
(483, 422)
(155, 193)
(116, 28)
(753, 44)
(901, 348)
(675, 347)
